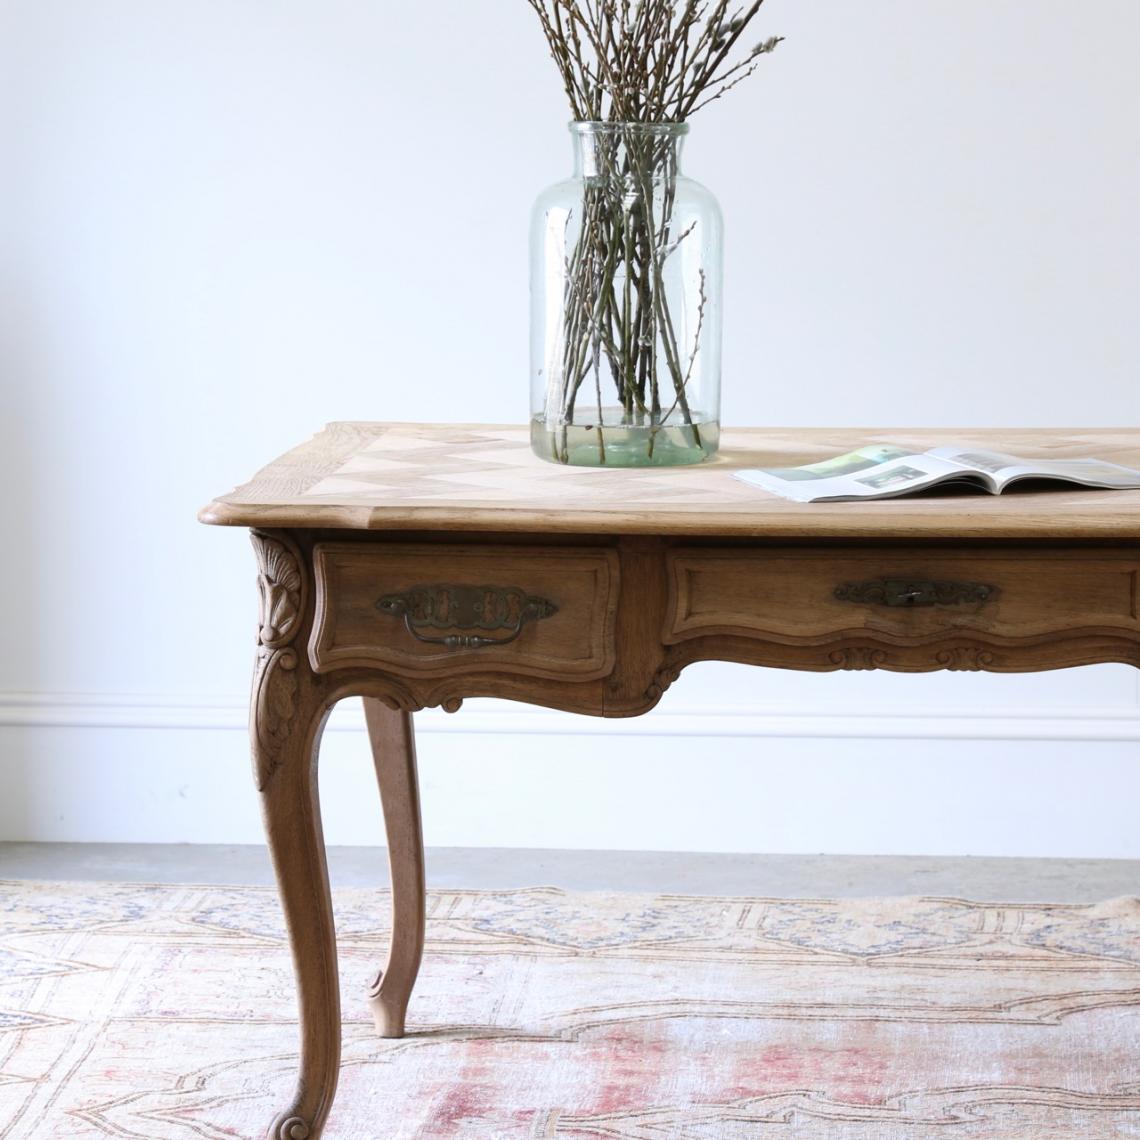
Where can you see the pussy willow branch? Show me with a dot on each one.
(656, 61)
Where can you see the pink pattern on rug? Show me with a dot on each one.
(168, 1013)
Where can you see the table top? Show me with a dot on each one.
(453, 477)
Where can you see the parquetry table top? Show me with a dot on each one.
(485, 478)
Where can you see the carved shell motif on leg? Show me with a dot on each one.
(281, 595)
(281, 589)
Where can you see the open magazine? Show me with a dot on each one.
(883, 471)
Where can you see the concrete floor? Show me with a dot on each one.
(780, 876)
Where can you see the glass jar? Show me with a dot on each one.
(626, 288)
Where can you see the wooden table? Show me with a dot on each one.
(416, 566)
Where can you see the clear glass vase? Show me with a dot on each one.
(626, 305)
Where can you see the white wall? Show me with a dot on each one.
(222, 224)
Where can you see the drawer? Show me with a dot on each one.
(540, 611)
(809, 594)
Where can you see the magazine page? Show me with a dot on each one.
(978, 459)
(878, 471)
(1006, 468)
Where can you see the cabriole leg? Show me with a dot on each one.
(287, 718)
(394, 753)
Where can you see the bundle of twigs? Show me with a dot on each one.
(634, 64)
(648, 61)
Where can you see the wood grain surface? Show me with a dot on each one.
(484, 478)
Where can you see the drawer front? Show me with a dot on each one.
(540, 611)
(805, 595)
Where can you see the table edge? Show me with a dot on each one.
(616, 524)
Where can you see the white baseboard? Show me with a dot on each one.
(1049, 780)
(129, 710)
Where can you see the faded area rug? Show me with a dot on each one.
(167, 1013)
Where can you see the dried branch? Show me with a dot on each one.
(648, 61)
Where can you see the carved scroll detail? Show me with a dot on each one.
(281, 594)
(958, 658)
(662, 680)
(293, 1129)
(858, 658)
(965, 659)
(410, 698)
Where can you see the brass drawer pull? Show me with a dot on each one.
(899, 592)
(485, 608)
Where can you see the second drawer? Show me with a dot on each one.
(804, 594)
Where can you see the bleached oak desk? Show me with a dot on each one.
(416, 566)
